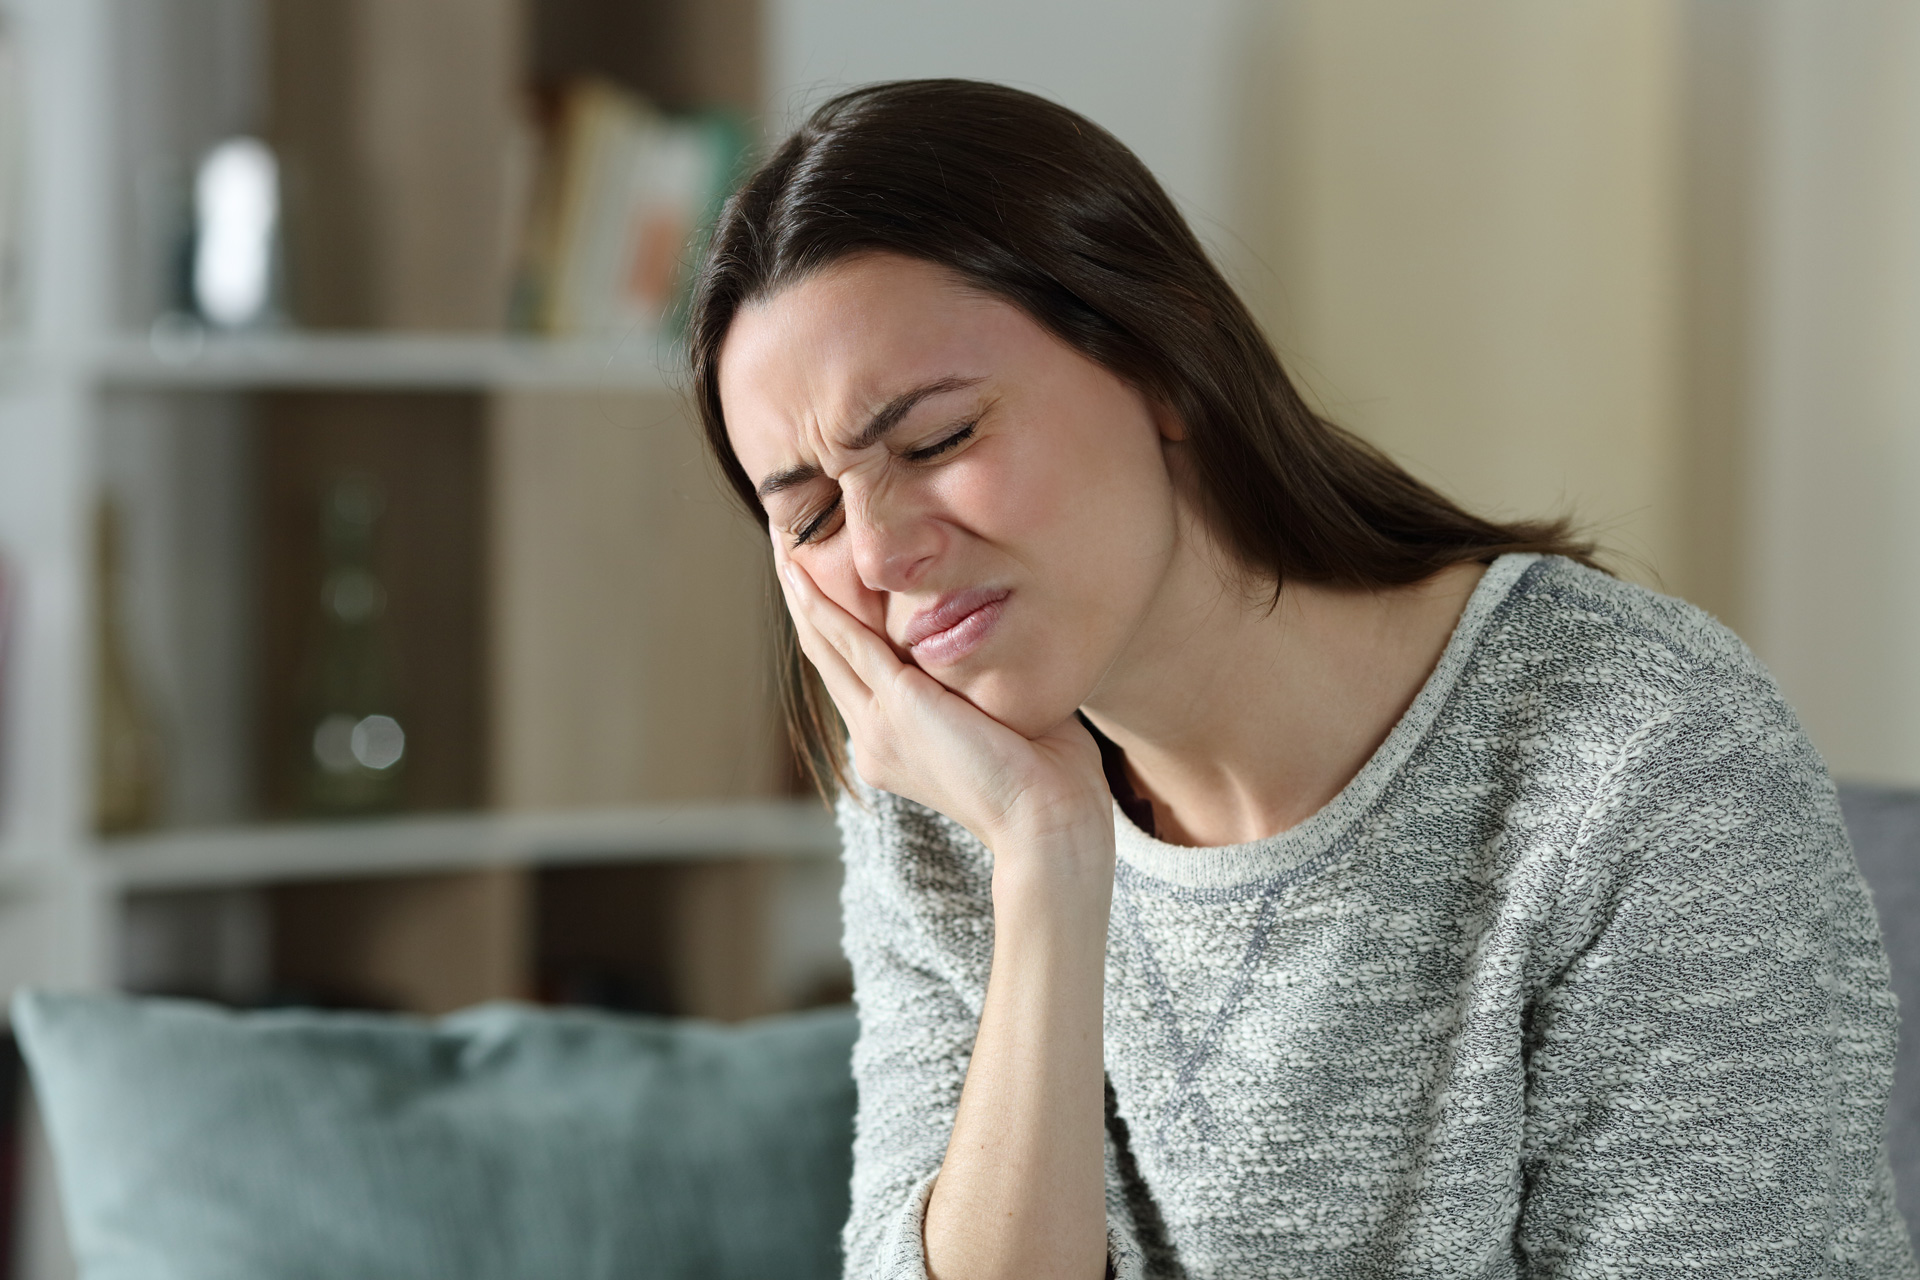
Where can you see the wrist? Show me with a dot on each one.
(1060, 879)
(1076, 830)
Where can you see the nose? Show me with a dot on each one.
(893, 545)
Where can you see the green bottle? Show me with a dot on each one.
(351, 746)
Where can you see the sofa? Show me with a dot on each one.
(515, 1143)
(506, 1142)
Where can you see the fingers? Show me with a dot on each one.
(867, 655)
(849, 692)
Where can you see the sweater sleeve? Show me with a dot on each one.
(918, 918)
(1708, 1069)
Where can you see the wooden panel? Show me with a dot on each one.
(405, 158)
(603, 936)
(686, 939)
(425, 944)
(628, 601)
(679, 53)
(631, 663)
(424, 453)
(720, 940)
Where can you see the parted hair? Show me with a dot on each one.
(1031, 202)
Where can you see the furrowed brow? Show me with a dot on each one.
(885, 419)
(889, 415)
(791, 478)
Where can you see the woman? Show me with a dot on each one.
(1256, 865)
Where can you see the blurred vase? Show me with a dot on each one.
(127, 755)
(351, 748)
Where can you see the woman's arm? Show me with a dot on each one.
(920, 936)
(1021, 1190)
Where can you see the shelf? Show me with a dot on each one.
(393, 361)
(786, 829)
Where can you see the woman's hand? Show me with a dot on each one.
(918, 739)
(1021, 1191)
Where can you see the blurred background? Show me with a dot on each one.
(373, 633)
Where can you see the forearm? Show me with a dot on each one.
(1021, 1191)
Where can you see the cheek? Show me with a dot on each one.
(832, 569)
(1026, 489)
(1081, 506)
(993, 497)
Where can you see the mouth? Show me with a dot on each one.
(954, 625)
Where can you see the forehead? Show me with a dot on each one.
(809, 363)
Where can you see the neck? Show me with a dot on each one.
(1240, 717)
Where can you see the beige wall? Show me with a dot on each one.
(1460, 223)
(1834, 524)
(1657, 261)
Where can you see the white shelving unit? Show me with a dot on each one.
(272, 854)
(194, 360)
(83, 376)
(47, 400)
(57, 379)
(56, 917)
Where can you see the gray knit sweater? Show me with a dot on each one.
(1575, 978)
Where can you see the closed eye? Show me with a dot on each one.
(813, 526)
(934, 450)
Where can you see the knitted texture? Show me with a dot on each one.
(1576, 977)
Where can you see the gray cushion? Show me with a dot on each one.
(1885, 828)
(502, 1142)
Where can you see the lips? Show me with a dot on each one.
(953, 625)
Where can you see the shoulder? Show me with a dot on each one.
(1695, 774)
(1576, 669)
(1642, 720)
(1622, 637)
(1647, 680)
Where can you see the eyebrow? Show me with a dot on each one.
(885, 419)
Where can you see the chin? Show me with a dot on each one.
(1028, 706)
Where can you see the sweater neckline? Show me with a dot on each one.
(1232, 865)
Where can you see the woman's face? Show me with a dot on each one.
(996, 505)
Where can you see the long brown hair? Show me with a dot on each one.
(1032, 203)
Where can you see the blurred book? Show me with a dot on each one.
(622, 204)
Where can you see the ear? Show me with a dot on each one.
(1171, 426)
